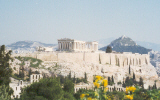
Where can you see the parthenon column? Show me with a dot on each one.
(96, 47)
(58, 46)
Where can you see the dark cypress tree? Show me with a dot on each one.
(129, 70)
(112, 79)
(134, 76)
(134, 79)
(114, 89)
(155, 86)
(85, 76)
(149, 88)
(21, 72)
(30, 72)
(69, 76)
(5, 70)
(123, 85)
(109, 81)
(141, 82)
(74, 78)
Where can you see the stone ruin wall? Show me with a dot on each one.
(70, 57)
(97, 58)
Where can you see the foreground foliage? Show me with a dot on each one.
(48, 89)
(131, 93)
(4, 94)
(5, 74)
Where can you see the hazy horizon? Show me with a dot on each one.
(47, 21)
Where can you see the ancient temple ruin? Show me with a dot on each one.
(76, 45)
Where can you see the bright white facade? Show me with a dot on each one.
(76, 45)
(17, 85)
(44, 49)
(35, 78)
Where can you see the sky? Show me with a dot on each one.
(87, 20)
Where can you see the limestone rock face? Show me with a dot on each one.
(107, 65)
(147, 72)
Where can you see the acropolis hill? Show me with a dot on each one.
(80, 57)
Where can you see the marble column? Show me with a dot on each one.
(74, 45)
(59, 46)
(62, 45)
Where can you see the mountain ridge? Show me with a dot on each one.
(28, 46)
(126, 44)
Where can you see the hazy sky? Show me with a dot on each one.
(49, 20)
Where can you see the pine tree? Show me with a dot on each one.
(4, 95)
(109, 49)
(5, 70)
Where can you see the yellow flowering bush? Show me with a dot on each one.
(130, 89)
(82, 96)
(100, 85)
(129, 92)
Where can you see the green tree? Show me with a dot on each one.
(129, 70)
(48, 88)
(134, 76)
(109, 81)
(128, 81)
(74, 78)
(68, 86)
(21, 73)
(149, 87)
(69, 76)
(112, 79)
(68, 96)
(141, 82)
(85, 76)
(4, 95)
(5, 70)
(109, 49)
(30, 72)
(154, 86)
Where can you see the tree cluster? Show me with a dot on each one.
(5, 74)
(49, 89)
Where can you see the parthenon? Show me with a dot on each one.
(66, 44)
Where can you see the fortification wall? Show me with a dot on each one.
(70, 57)
(120, 60)
(91, 57)
(48, 56)
(33, 55)
(105, 58)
